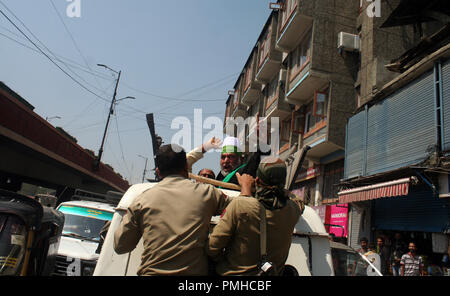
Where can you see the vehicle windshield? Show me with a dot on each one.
(347, 262)
(84, 223)
(12, 244)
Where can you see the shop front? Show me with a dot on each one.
(335, 219)
(407, 208)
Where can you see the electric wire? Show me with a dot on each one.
(48, 57)
(71, 63)
(120, 144)
(72, 38)
(179, 98)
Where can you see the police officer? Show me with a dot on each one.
(173, 219)
(238, 230)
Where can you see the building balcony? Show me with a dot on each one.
(277, 107)
(293, 23)
(252, 94)
(239, 110)
(269, 59)
(301, 87)
(317, 139)
(252, 88)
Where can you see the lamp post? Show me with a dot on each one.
(145, 168)
(111, 111)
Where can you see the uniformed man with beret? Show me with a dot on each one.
(235, 241)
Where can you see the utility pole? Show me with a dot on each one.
(111, 111)
(145, 168)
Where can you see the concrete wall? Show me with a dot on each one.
(332, 17)
(379, 46)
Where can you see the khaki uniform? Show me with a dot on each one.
(193, 156)
(173, 219)
(238, 232)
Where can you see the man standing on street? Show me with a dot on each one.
(363, 243)
(173, 218)
(398, 250)
(385, 255)
(412, 264)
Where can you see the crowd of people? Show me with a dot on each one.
(398, 259)
(173, 217)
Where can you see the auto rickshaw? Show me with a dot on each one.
(29, 236)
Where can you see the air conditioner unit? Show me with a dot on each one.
(348, 42)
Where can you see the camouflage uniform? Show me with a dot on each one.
(238, 230)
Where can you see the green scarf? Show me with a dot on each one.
(230, 175)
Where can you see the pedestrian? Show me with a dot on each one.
(363, 243)
(173, 219)
(398, 249)
(411, 263)
(235, 243)
(385, 255)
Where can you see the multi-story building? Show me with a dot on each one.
(297, 74)
(397, 143)
(360, 81)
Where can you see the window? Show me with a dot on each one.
(288, 7)
(320, 101)
(248, 75)
(300, 56)
(13, 238)
(265, 47)
(236, 98)
(314, 110)
(285, 130)
(298, 121)
(271, 92)
(333, 172)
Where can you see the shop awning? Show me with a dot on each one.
(387, 189)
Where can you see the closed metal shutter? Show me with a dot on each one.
(419, 211)
(402, 127)
(354, 149)
(360, 223)
(446, 105)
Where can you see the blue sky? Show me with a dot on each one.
(177, 49)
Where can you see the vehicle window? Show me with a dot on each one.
(84, 223)
(12, 244)
(348, 263)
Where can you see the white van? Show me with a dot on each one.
(76, 255)
(309, 255)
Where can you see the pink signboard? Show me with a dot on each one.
(339, 216)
